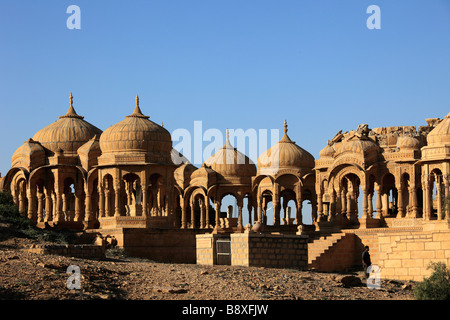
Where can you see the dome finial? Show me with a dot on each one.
(228, 135)
(71, 113)
(285, 127)
(137, 110)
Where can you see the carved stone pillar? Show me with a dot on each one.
(217, 228)
(202, 213)
(276, 213)
(40, 208)
(207, 212)
(385, 204)
(349, 205)
(413, 202)
(299, 215)
(370, 205)
(193, 214)
(343, 203)
(31, 196)
(88, 205)
(101, 200)
(379, 203)
(117, 189)
(48, 205)
(183, 202)
(108, 211)
(365, 204)
(400, 204)
(260, 211)
(438, 182)
(319, 205)
(78, 207)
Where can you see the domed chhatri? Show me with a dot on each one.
(71, 175)
(68, 133)
(440, 135)
(285, 154)
(228, 162)
(137, 135)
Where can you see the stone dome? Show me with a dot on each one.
(440, 135)
(285, 154)
(361, 146)
(136, 134)
(408, 143)
(228, 161)
(327, 152)
(68, 133)
(29, 155)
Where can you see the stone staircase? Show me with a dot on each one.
(333, 252)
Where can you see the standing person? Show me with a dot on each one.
(366, 260)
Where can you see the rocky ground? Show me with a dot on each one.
(29, 276)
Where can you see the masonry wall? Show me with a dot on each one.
(407, 256)
(405, 253)
(163, 245)
(206, 248)
(78, 251)
(269, 250)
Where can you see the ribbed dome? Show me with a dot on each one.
(364, 146)
(441, 134)
(228, 161)
(408, 142)
(137, 134)
(68, 133)
(327, 152)
(285, 154)
(29, 155)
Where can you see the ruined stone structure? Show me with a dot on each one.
(385, 187)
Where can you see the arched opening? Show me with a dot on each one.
(308, 213)
(437, 195)
(389, 196)
(404, 204)
(133, 195)
(371, 196)
(68, 199)
(267, 211)
(248, 216)
(109, 195)
(351, 191)
(288, 207)
(156, 195)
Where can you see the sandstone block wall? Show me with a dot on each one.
(268, 250)
(163, 245)
(407, 256)
(405, 253)
(78, 251)
(207, 249)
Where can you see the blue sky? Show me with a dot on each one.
(236, 64)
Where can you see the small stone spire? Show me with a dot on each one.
(137, 110)
(71, 113)
(285, 137)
